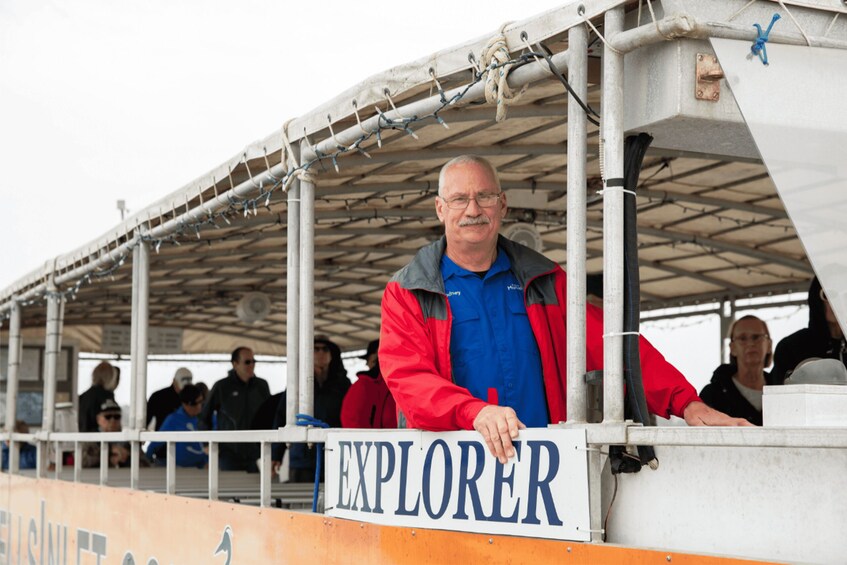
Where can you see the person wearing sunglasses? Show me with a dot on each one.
(108, 419)
(330, 387)
(233, 403)
(736, 387)
(183, 419)
(473, 328)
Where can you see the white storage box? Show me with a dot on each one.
(805, 405)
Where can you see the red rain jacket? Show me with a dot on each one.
(414, 352)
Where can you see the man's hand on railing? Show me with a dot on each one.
(699, 414)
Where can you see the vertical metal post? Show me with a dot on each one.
(41, 450)
(292, 314)
(141, 299)
(141, 254)
(133, 339)
(595, 491)
(170, 468)
(52, 347)
(214, 472)
(59, 467)
(612, 136)
(77, 461)
(307, 294)
(265, 475)
(104, 463)
(576, 221)
(15, 352)
(727, 315)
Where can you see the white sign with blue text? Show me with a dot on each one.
(449, 481)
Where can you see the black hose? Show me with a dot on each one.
(635, 147)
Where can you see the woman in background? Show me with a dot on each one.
(736, 387)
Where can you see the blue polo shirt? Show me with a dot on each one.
(492, 347)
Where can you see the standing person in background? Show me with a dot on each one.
(104, 380)
(368, 403)
(823, 338)
(233, 402)
(736, 387)
(166, 400)
(331, 384)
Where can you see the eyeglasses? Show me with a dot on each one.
(249, 361)
(197, 402)
(752, 338)
(112, 416)
(483, 200)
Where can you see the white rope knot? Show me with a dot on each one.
(288, 157)
(495, 58)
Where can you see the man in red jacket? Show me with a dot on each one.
(473, 329)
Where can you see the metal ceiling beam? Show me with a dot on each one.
(719, 245)
(665, 196)
(766, 290)
(446, 153)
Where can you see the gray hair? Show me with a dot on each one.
(463, 159)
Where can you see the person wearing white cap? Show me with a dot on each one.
(164, 401)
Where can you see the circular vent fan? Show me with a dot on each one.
(253, 307)
(525, 234)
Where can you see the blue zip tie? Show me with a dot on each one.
(759, 48)
(306, 420)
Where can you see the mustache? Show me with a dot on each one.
(475, 221)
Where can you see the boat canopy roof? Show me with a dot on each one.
(711, 225)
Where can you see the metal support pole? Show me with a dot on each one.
(612, 136)
(170, 468)
(307, 293)
(595, 491)
(59, 466)
(576, 242)
(727, 314)
(52, 347)
(292, 311)
(77, 461)
(142, 256)
(141, 299)
(15, 352)
(133, 339)
(265, 474)
(104, 463)
(214, 472)
(41, 450)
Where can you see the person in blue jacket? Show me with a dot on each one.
(27, 458)
(183, 419)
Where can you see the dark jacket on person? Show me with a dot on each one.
(236, 404)
(722, 394)
(266, 414)
(812, 341)
(89, 405)
(162, 404)
(328, 400)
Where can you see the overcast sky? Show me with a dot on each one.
(103, 100)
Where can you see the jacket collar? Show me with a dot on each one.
(424, 272)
